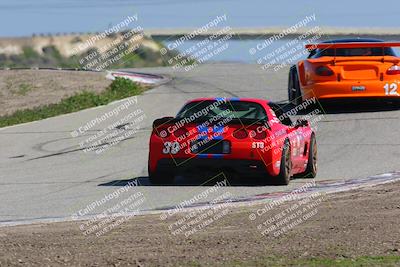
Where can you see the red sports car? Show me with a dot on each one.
(248, 137)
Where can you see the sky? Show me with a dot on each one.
(27, 17)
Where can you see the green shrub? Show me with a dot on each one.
(29, 53)
(120, 88)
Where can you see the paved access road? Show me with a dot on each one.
(45, 174)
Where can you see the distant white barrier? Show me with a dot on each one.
(144, 78)
(137, 77)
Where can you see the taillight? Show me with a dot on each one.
(162, 132)
(393, 70)
(258, 134)
(180, 132)
(323, 71)
(240, 133)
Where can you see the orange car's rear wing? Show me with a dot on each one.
(353, 45)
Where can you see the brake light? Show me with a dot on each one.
(180, 132)
(240, 134)
(162, 132)
(323, 71)
(258, 134)
(393, 70)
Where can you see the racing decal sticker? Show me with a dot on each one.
(171, 148)
(391, 89)
(257, 145)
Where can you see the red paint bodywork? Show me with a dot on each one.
(241, 149)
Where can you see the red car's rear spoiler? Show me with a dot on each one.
(352, 45)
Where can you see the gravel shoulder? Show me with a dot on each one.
(358, 227)
(24, 89)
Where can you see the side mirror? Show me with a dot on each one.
(301, 123)
(161, 121)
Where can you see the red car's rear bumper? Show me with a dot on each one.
(244, 168)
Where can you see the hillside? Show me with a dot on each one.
(89, 51)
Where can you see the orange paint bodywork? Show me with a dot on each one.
(352, 76)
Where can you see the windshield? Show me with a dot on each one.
(208, 109)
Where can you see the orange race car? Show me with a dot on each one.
(349, 68)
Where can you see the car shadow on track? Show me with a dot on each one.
(337, 107)
(182, 181)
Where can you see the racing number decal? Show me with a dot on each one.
(171, 147)
(257, 145)
(391, 89)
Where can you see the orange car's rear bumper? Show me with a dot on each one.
(351, 89)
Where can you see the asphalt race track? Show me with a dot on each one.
(45, 174)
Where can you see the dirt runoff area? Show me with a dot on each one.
(354, 228)
(24, 89)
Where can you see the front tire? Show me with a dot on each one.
(285, 172)
(294, 93)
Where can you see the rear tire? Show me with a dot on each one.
(312, 167)
(291, 92)
(284, 175)
(294, 93)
